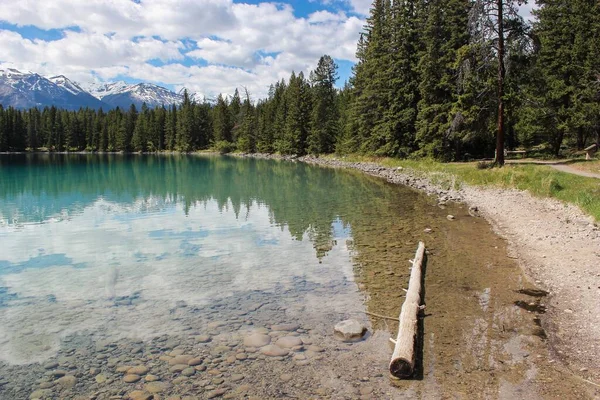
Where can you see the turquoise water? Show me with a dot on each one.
(111, 243)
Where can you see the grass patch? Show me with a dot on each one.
(539, 180)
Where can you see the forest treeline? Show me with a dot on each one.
(434, 78)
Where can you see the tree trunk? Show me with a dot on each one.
(403, 360)
(557, 143)
(501, 75)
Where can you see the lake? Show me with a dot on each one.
(177, 265)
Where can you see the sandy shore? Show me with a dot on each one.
(556, 244)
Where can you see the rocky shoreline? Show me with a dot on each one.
(556, 244)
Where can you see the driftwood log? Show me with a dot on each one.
(403, 359)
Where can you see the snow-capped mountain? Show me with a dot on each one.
(121, 94)
(67, 84)
(28, 89)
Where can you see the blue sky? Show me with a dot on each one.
(207, 46)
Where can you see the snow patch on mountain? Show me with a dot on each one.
(67, 84)
(119, 93)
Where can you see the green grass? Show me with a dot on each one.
(539, 180)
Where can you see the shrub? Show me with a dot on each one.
(224, 147)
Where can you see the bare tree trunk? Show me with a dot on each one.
(501, 75)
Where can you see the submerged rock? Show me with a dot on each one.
(138, 370)
(180, 359)
(257, 340)
(131, 378)
(289, 341)
(349, 330)
(67, 381)
(273, 351)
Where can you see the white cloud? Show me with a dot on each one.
(223, 52)
(249, 45)
(361, 7)
(326, 16)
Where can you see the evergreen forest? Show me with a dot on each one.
(444, 79)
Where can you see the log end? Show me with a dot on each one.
(401, 368)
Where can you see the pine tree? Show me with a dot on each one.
(171, 128)
(222, 123)
(140, 131)
(370, 85)
(186, 128)
(346, 141)
(125, 132)
(298, 100)
(324, 119)
(235, 114)
(33, 128)
(202, 113)
(246, 139)
(394, 134)
(445, 33)
(279, 117)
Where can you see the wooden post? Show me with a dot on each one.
(403, 358)
(589, 151)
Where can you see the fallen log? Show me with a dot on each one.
(403, 358)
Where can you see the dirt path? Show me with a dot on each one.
(561, 165)
(575, 171)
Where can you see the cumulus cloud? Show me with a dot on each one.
(361, 6)
(210, 46)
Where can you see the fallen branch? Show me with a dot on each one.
(381, 316)
(403, 358)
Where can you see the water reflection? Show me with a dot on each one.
(83, 236)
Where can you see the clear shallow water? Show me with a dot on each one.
(109, 261)
(85, 235)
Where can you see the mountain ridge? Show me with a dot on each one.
(26, 89)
